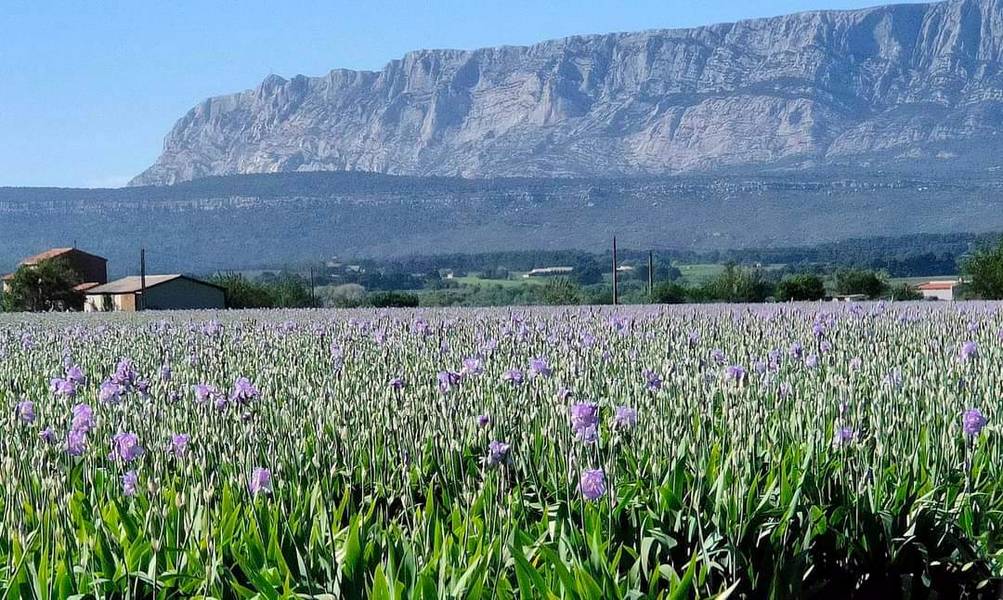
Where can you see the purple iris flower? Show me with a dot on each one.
(773, 357)
(397, 383)
(83, 418)
(513, 376)
(811, 361)
(447, 379)
(26, 411)
(420, 326)
(483, 421)
(76, 442)
(143, 387)
(179, 445)
(63, 387)
(244, 391)
(205, 392)
(856, 363)
(472, 366)
(652, 380)
(584, 414)
(111, 392)
(796, 350)
(968, 351)
(497, 452)
(212, 328)
(843, 436)
(75, 374)
(539, 367)
(48, 436)
(585, 421)
(488, 346)
(717, 355)
(693, 338)
(592, 484)
(260, 481)
(588, 435)
(625, 417)
(735, 373)
(125, 373)
(125, 448)
(825, 347)
(130, 483)
(973, 421)
(165, 373)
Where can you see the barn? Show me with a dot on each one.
(92, 269)
(163, 292)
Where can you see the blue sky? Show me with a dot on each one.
(90, 88)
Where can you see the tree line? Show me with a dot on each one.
(50, 285)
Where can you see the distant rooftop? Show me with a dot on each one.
(133, 284)
(54, 253)
(938, 285)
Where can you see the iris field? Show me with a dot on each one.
(743, 451)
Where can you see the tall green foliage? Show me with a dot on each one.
(282, 291)
(861, 281)
(561, 291)
(801, 287)
(984, 269)
(46, 286)
(738, 284)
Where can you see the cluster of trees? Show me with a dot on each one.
(747, 284)
(902, 256)
(50, 285)
(47, 286)
(734, 284)
(285, 290)
(984, 272)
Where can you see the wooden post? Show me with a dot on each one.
(614, 272)
(313, 294)
(141, 304)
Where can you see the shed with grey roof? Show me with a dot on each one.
(163, 292)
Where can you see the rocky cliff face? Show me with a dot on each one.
(908, 81)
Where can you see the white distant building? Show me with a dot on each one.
(939, 290)
(550, 272)
(849, 297)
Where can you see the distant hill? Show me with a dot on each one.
(909, 85)
(252, 220)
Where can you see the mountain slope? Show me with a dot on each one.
(920, 83)
(274, 219)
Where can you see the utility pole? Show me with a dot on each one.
(313, 294)
(651, 275)
(614, 272)
(142, 280)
